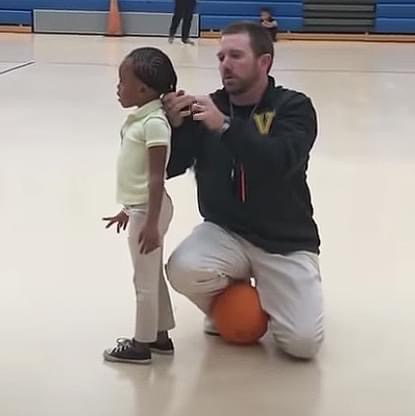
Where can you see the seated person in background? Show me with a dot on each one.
(269, 23)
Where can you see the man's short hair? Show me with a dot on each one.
(261, 41)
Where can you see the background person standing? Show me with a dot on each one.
(183, 11)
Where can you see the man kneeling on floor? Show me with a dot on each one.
(249, 144)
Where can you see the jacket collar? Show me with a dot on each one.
(265, 102)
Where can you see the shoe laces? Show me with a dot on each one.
(123, 344)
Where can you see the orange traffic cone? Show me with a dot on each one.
(114, 19)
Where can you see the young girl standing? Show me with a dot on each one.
(145, 75)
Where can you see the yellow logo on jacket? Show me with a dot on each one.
(263, 122)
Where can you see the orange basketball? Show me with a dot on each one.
(238, 316)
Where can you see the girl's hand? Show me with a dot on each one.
(121, 219)
(149, 238)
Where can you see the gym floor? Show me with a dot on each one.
(65, 282)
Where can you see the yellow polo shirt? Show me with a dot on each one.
(144, 128)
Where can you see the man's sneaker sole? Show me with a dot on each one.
(211, 333)
(111, 358)
(209, 328)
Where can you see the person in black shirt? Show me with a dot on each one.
(269, 23)
(183, 11)
(249, 145)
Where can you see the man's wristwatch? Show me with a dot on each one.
(226, 124)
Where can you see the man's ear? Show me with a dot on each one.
(265, 61)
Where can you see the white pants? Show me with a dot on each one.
(289, 286)
(154, 309)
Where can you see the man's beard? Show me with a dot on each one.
(237, 86)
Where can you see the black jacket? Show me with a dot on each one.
(250, 182)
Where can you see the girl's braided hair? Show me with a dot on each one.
(154, 68)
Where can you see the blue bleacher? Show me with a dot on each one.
(54, 4)
(248, 8)
(219, 22)
(15, 17)
(214, 14)
(395, 16)
(395, 2)
(392, 16)
(399, 11)
(404, 26)
(149, 6)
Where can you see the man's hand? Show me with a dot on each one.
(205, 110)
(121, 219)
(177, 106)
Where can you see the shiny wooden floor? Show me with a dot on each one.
(65, 283)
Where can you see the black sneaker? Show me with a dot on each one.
(171, 39)
(165, 347)
(125, 352)
(188, 42)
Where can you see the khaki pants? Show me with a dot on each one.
(154, 309)
(289, 286)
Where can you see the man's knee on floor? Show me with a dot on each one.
(303, 345)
